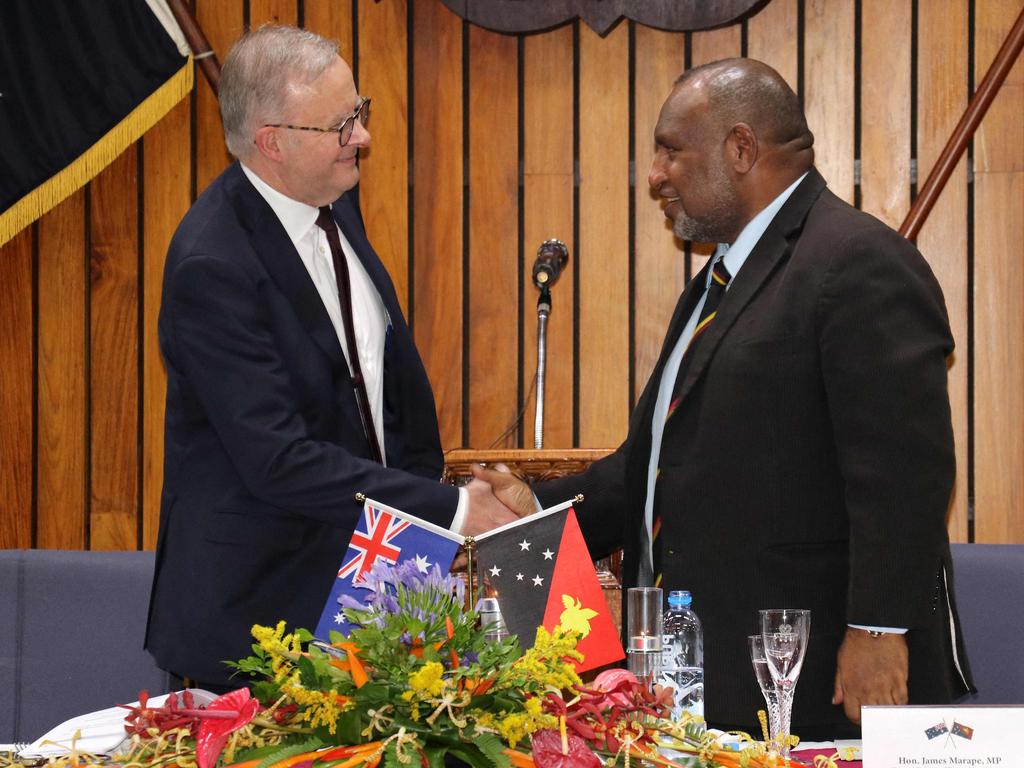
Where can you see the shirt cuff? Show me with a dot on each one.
(887, 630)
(460, 512)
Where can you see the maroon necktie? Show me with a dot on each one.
(326, 222)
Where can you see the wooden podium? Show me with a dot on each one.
(544, 464)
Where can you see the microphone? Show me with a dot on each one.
(552, 256)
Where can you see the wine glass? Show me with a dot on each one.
(766, 683)
(785, 632)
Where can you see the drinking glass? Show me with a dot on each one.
(644, 631)
(785, 632)
(766, 683)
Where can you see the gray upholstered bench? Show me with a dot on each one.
(990, 599)
(71, 632)
(72, 625)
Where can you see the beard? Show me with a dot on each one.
(723, 219)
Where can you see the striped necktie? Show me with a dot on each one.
(720, 278)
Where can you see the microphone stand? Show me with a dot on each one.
(543, 310)
(552, 256)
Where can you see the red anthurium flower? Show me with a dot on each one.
(617, 685)
(213, 733)
(547, 751)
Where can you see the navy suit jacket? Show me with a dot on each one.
(809, 463)
(264, 447)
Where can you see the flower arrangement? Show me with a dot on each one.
(415, 684)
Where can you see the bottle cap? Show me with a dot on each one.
(679, 598)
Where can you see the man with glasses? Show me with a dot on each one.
(292, 378)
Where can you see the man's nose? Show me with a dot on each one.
(360, 136)
(656, 177)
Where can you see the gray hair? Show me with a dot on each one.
(255, 79)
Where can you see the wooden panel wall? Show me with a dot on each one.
(483, 146)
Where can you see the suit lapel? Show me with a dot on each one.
(640, 422)
(279, 257)
(684, 308)
(762, 261)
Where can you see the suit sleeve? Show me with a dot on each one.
(883, 340)
(222, 341)
(603, 515)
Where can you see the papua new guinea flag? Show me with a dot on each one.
(389, 535)
(80, 81)
(540, 570)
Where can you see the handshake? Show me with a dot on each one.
(495, 497)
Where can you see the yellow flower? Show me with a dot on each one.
(516, 726)
(281, 649)
(427, 681)
(270, 640)
(547, 665)
(317, 707)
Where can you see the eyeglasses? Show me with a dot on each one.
(344, 131)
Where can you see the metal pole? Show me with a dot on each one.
(543, 310)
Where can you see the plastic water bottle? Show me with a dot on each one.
(682, 660)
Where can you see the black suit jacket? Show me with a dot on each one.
(264, 448)
(810, 462)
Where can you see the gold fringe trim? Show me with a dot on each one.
(88, 165)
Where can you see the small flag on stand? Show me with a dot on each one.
(542, 574)
(936, 730)
(963, 731)
(385, 534)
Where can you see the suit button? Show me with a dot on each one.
(671, 551)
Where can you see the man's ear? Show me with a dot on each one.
(268, 142)
(741, 148)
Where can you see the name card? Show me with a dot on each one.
(943, 737)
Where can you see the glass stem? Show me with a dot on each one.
(785, 712)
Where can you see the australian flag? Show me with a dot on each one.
(936, 730)
(384, 534)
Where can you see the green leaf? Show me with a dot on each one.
(435, 756)
(290, 750)
(256, 753)
(349, 727)
(307, 673)
(468, 753)
(493, 749)
(391, 757)
(266, 691)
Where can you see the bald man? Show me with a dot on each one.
(793, 447)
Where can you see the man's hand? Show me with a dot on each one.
(870, 670)
(484, 510)
(513, 492)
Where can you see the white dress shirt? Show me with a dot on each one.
(369, 316)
